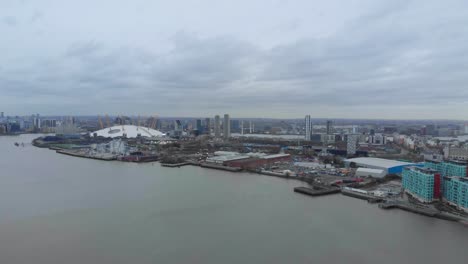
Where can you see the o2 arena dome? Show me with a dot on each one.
(130, 131)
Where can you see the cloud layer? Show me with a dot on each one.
(403, 59)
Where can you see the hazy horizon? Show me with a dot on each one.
(357, 59)
(240, 117)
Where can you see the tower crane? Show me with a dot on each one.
(155, 120)
(122, 122)
(108, 121)
(100, 122)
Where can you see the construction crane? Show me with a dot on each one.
(155, 120)
(138, 122)
(122, 121)
(100, 122)
(108, 121)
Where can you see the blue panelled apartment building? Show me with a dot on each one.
(446, 181)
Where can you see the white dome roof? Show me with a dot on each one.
(130, 130)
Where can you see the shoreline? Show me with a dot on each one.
(383, 203)
(69, 153)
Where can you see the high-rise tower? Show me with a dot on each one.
(308, 128)
(207, 126)
(227, 127)
(217, 127)
(329, 127)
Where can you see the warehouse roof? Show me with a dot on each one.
(378, 162)
(309, 164)
(226, 158)
(275, 156)
(367, 170)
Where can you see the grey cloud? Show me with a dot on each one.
(36, 16)
(10, 21)
(383, 59)
(209, 63)
(83, 49)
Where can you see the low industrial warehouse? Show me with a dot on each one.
(388, 166)
(366, 172)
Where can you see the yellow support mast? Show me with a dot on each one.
(108, 121)
(100, 122)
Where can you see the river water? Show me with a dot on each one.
(60, 209)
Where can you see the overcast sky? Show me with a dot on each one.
(278, 58)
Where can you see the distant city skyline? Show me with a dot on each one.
(194, 117)
(358, 59)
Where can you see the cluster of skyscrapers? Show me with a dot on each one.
(328, 137)
(445, 180)
(226, 127)
(16, 124)
(308, 128)
(220, 127)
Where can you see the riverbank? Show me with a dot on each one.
(219, 167)
(87, 211)
(304, 190)
(391, 203)
(426, 211)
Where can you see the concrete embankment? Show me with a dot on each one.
(55, 148)
(427, 211)
(410, 208)
(316, 190)
(174, 165)
(80, 155)
(451, 217)
(39, 143)
(276, 174)
(220, 167)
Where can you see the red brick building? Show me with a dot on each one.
(253, 163)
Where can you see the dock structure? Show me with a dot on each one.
(408, 207)
(317, 190)
(80, 155)
(360, 195)
(276, 174)
(174, 165)
(422, 210)
(220, 167)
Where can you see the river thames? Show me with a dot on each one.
(61, 209)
